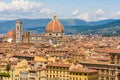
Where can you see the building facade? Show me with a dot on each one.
(59, 71)
(107, 71)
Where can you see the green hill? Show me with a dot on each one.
(108, 27)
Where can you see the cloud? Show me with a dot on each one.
(22, 5)
(76, 12)
(45, 11)
(84, 16)
(99, 12)
(116, 14)
(22, 9)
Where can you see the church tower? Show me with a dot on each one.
(18, 31)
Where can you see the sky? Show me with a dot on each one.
(89, 10)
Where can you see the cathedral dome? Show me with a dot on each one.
(54, 26)
(10, 34)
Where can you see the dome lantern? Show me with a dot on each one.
(55, 16)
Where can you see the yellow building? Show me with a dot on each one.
(61, 71)
(2, 67)
(77, 74)
(23, 71)
(57, 71)
(37, 74)
(16, 69)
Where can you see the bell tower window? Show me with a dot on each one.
(17, 27)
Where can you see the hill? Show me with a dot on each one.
(108, 27)
(101, 22)
(33, 24)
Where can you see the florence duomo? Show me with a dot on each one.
(54, 33)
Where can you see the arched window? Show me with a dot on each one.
(50, 34)
(17, 27)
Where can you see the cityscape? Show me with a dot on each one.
(57, 46)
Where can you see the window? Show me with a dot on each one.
(80, 74)
(112, 72)
(76, 78)
(50, 34)
(102, 71)
(73, 78)
(17, 27)
(77, 73)
(79, 78)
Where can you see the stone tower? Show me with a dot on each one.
(18, 31)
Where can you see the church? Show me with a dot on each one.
(53, 34)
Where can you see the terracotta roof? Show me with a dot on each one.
(10, 34)
(54, 26)
(24, 55)
(84, 71)
(59, 65)
(34, 70)
(21, 47)
(113, 50)
(53, 50)
(58, 55)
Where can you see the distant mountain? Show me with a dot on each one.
(27, 23)
(108, 29)
(1, 21)
(35, 23)
(73, 22)
(101, 22)
(72, 26)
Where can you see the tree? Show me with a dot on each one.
(4, 74)
(8, 67)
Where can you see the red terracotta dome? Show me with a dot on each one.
(54, 26)
(10, 34)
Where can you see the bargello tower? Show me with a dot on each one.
(18, 31)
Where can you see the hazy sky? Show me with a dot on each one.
(83, 9)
